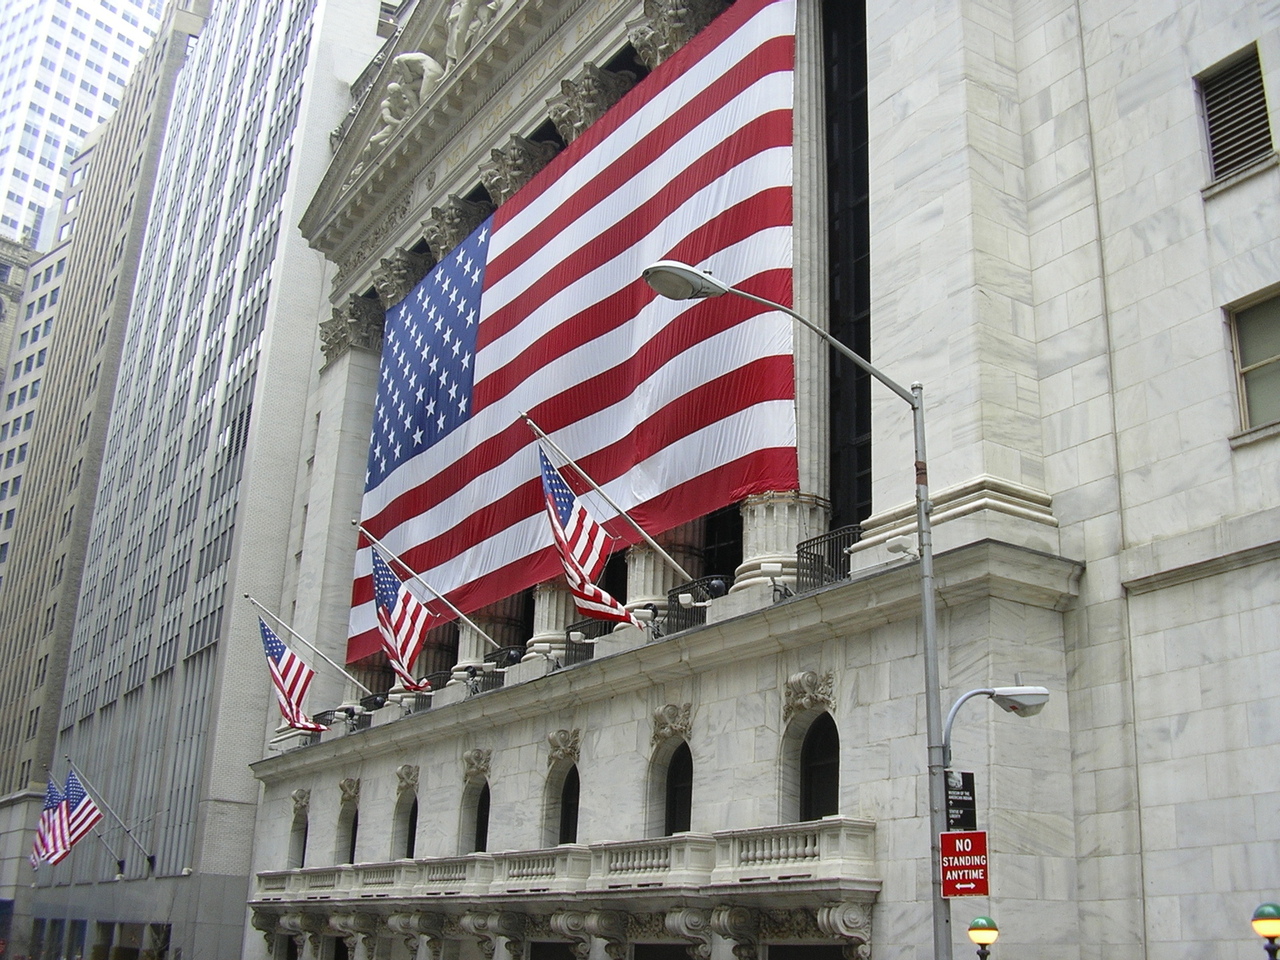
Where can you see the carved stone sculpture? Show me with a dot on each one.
(305, 929)
(356, 930)
(418, 75)
(851, 922)
(514, 165)
(692, 924)
(476, 765)
(465, 20)
(416, 929)
(268, 924)
(449, 225)
(398, 274)
(406, 778)
(667, 25)
(358, 324)
(350, 788)
(583, 100)
(564, 746)
(670, 721)
(805, 691)
(301, 801)
(487, 927)
(742, 926)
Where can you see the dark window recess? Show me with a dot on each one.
(845, 41)
(801, 951)
(355, 828)
(659, 951)
(627, 60)
(569, 807)
(820, 770)
(547, 133)
(479, 195)
(614, 578)
(1235, 109)
(547, 950)
(411, 830)
(679, 791)
(482, 820)
(722, 546)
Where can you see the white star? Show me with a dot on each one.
(471, 318)
(461, 254)
(431, 407)
(421, 391)
(466, 360)
(440, 422)
(444, 378)
(462, 405)
(417, 438)
(453, 390)
(435, 362)
(457, 345)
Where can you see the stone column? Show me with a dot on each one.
(772, 525)
(503, 623)
(553, 611)
(649, 577)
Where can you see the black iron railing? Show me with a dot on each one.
(505, 656)
(825, 559)
(687, 603)
(439, 679)
(417, 703)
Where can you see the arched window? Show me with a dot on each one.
(679, 791)
(298, 841)
(348, 828)
(820, 770)
(405, 831)
(482, 821)
(569, 807)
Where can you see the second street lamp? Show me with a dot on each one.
(679, 281)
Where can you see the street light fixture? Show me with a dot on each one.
(983, 931)
(679, 281)
(1266, 923)
(1023, 701)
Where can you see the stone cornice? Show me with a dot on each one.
(886, 594)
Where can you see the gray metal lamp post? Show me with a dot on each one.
(679, 281)
(1020, 700)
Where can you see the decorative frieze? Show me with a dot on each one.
(805, 691)
(514, 165)
(475, 765)
(450, 224)
(358, 324)
(372, 241)
(667, 25)
(584, 100)
(398, 274)
(564, 746)
(643, 927)
(671, 721)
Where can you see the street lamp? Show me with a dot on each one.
(1023, 701)
(1266, 923)
(983, 931)
(679, 281)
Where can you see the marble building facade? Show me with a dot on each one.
(1061, 254)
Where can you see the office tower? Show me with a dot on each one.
(1057, 217)
(63, 67)
(158, 712)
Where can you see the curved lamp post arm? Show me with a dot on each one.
(1025, 701)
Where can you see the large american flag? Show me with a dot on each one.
(583, 547)
(82, 813)
(403, 620)
(51, 843)
(676, 409)
(290, 677)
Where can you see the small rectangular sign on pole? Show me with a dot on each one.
(962, 806)
(964, 864)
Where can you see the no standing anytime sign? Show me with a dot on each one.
(964, 864)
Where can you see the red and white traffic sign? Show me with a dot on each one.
(964, 864)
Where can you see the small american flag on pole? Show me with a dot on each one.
(291, 678)
(403, 621)
(51, 831)
(82, 813)
(583, 547)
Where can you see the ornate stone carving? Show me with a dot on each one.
(805, 691)
(565, 745)
(350, 787)
(572, 925)
(645, 926)
(417, 73)
(356, 930)
(406, 778)
(372, 240)
(301, 801)
(851, 922)
(692, 924)
(305, 929)
(611, 927)
(798, 924)
(398, 274)
(415, 928)
(487, 927)
(268, 924)
(475, 764)
(465, 20)
(670, 721)
(583, 100)
(668, 25)
(513, 166)
(740, 925)
(358, 324)
(449, 225)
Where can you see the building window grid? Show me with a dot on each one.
(1256, 333)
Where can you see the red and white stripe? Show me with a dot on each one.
(677, 409)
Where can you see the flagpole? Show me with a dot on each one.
(608, 499)
(111, 850)
(409, 570)
(301, 639)
(88, 784)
